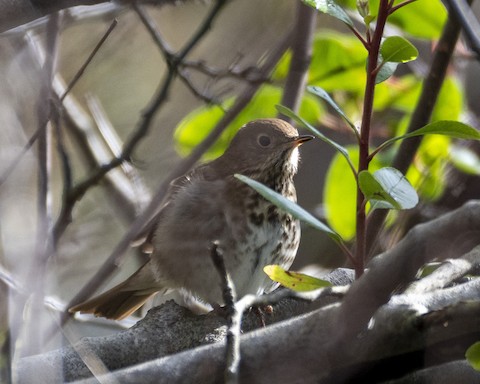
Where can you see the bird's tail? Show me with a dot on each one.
(123, 299)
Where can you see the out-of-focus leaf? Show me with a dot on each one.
(427, 173)
(338, 62)
(422, 19)
(295, 280)
(464, 159)
(198, 124)
(473, 355)
(450, 101)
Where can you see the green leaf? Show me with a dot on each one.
(331, 8)
(325, 96)
(387, 69)
(398, 50)
(294, 280)
(465, 160)
(289, 113)
(289, 207)
(339, 193)
(448, 128)
(450, 102)
(374, 192)
(388, 188)
(423, 19)
(473, 355)
(427, 172)
(338, 62)
(428, 269)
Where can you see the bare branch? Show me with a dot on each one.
(466, 17)
(301, 56)
(16, 13)
(80, 72)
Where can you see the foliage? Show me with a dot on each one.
(473, 355)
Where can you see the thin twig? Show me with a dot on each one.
(233, 320)
(44, 122)
(210, 100)
(82, 69)
(398, 6)
(172, 60)
(147, 116)
(366, 43)
(8, 171)
(43, 247)
(249, 74)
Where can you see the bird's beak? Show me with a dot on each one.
(299, 140)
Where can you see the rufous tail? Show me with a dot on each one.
(123, 299)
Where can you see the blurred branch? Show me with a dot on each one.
(461, 10)
(97, 141)
(43, 246)
(249, 74)
(90, 57)
(173, 60)
(16, 13)
(301, 56)
(421, 116)
(40, 53)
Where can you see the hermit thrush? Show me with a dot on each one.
(210, 205)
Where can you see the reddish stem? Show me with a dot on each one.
(373, 52)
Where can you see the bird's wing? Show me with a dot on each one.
(144, 238)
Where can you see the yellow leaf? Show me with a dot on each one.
(294, 280)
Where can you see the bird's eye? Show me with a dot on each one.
(264, 140)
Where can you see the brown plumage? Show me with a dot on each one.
(209, 204)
